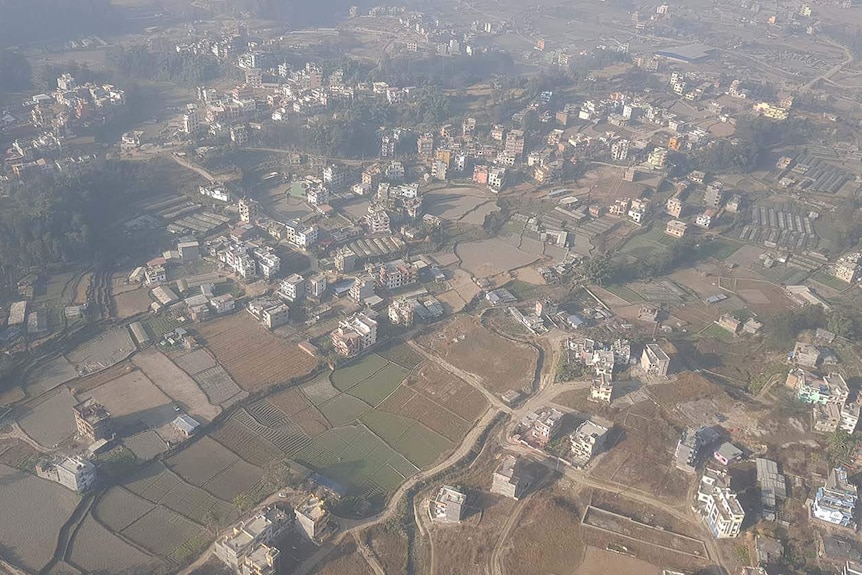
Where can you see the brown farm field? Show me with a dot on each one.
(390, 545)
(448, 391)
(501, 364)
(346, 559)
(254, 357)
(416, 406)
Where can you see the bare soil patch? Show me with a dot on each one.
(177, 384)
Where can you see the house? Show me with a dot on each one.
(248, 210)
(316, 285)
(674, 207)
(713, 196)
(510, 480)
(223, 303)
(155, 274)
(447, 505)
(312, 517)
(354, 335)
(249, 537)
(292, 288)
(691, 444)
(269, 311)
(500, 296)
(849, 268)
(397, 273)
(835, 502)
(727, 453)
(544, 425)
(734, 204)
(402, 310)
(706, 219)
(718, 505)
(75, 473)
(185, 424)
(767, 550)
(92, 421)
(654, 361)
(773, 487)
(362, 288)
(602, 388)
(676, 228)
(189, 251)
(729, 323)
(588, 440)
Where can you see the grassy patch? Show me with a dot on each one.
(715, 331)
(623, 292)
(378, 387)
(422, 446)
(720, 249)
(388, 426)
(403, 355)
(830, 281)
(343, 410)
(346, 377)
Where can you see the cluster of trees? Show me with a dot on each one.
(187, 69)
(448, 73)
(66, 218)
(755, 135)
(785, 327)
(601, 269)
(15, 72)
(298, 13)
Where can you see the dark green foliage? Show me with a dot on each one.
(784, 327)
(14, 71)
(186, 69)
(45, 77)
(448, 73)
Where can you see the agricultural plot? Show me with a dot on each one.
(459, 203)
(201, 461)
(33, 511)
(219, 387)
(132, 302)
(18, 454)
(268, 422)
(345, 560)
(51, 421)
(488, 258)
(195, 361)
(448, 391)
(239, 477)
(49, 375)
(118, 508)
(320, 390)
(134, 401)
(145, 445)
(401, 354)
(467, 345)
(296, 405)
(245, 443)
(97, 551)
(162, 531)
(175, 383)
(254, 357)
(346, 377)
(416, 406)
(102, 351)
(343, 409)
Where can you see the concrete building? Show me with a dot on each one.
(354, 335)
(378, 222)
(510, 479)
(727, 453)
(345, 260)
(425, 146)
(674, 207)
(588, 440)
(396, 274)
(292, 288)
(835, 502)
(718, 505)
(849, 268)
(362, 288)
(773, 487)
(402, 310)
(246, 540)
(316, 286)
(312, 517)
(334, 176)
(691, 444)
(542, 426)
(223, 303)
(713, 196)
(602, 388)
(189, 251)
(92, 420)
(269, 311)
(654, 361)
(620, 150)
(676, 228)
(447, 505)
(706, 219)
(75, 473)
(248, 210)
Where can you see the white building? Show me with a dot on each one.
(247, 538)
(719, 507)
(75, 473)
(312, 517)
(292, 288)
(587, 441)
(355, 334)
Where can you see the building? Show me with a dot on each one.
(292, 288)
(773, 487)
(676, 228)
(269, 311)
(316, 286)
(378, 222)
(247, 539)
(727, 453)
(587, 441)
(397, 273)
(729, 323)
(248, 210)
(425, 146)
(186, 425)
(805, 354)
(334, 176)
(713, 196)
(362, 288)
(835, 502)
(654, 361)
(657, 158)
(674, 207)
(602, 388)
(706, 219)
(93, 421)
(849, 268)
(496, 178)
(345, 260)
(223, 303)
(718, 505)
(312, 517)
(515, 142)
(354, 335)
(402, 311)
(620, 150)
(75, 473)
(510, 479)
(542, 426)
(189, 251)
(447, 505)
(691, 444)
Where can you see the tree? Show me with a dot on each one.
(243, 502)
(276, 474)
(598, 269)
(15, 72)
(213, 520)
(841, 446)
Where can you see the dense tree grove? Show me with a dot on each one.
(186, 69)
(15, 73)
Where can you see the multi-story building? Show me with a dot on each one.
(223, 303)
(292, 288)
(92, 420)
(269, 311)
(691, 445)
(515, 143)
(300, 234)
(620, 150)
(510, 479)
(335, 176)
(543, 425)
(312, 517)
(657, 158)
(706, 219)
(713, 195)
(718, 505)
(835, 502)
(654, 361)
(401, 311)
(773, 487)
(676, 228)
(674, 207)
(75, 473)
(362, 288)
(425, 146)
(378, 222)
(602, 388)
(345, 259)
(316, 285)
(317, 195)
(447, 505)
(354, 335)
(496, 178)
(155, 274)
(587, 441)
(849, 268)
(248, 538)
(397, 273)
(268, 264)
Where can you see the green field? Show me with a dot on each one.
(403, 355)
(343, 409)
(623, 292)
(830, 281)
(355, 373)
(378, 387)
